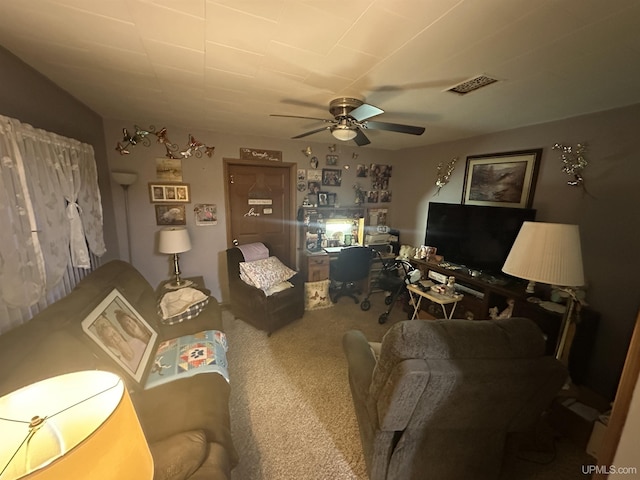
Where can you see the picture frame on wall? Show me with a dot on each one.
(323, 199)
(122, 334)
(501, 179)
(169, 192)
(331, 177)
(171, 215)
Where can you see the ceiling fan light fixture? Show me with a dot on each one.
(343, 133)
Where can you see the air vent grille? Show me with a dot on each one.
(472, 85)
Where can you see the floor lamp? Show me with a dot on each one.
(550, 253)
(125, 179)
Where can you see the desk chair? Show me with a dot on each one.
(351, 267)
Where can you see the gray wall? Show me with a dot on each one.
(30, 97)
(609, 226)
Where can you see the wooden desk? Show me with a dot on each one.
(417, 295)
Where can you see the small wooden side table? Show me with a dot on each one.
(417, 295)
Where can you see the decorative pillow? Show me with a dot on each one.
(278, 288)
(316, 295)
(265, 273)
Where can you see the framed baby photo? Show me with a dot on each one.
(120, 331)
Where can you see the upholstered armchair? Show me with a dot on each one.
(442, 396)
(266, 311)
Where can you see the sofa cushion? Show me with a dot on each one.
(265, 273)
(179, 456)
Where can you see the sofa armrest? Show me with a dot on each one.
(402, 392)
(177, 457)
(361, 362)
(215, 466)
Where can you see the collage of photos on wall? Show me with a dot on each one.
(379, 175)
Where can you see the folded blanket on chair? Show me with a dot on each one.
(254, 251)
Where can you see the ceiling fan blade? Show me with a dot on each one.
(361, 139)
(394, 127)
(308, 118)
(365, 111)
(311, 132)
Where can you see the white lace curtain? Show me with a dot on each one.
(50, 213)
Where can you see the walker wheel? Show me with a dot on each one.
(388, 300)
(365, 305)
(383, 318)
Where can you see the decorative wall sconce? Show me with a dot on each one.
(573, 162)
(194, 147)
(444, 173)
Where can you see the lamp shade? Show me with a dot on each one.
(547, 253)
(343, 132)
(174, 240)
(124, 178)
(75, 426)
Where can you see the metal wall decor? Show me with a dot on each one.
(573, 162)
(444, 173)
(140, 136)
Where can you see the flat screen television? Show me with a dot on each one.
(476, 237)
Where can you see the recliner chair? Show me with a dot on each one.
(252, 305)
(349, 270)
(443, 395)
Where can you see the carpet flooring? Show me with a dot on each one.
(291, 410)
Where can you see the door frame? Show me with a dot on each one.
(292, 194)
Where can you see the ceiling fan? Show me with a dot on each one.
(351, 117)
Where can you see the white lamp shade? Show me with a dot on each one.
(90, 430)
(547, 253)
(124, 178)
(343, 133)
(174, 240)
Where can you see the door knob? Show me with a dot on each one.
(235, 242)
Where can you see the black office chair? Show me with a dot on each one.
(349, 269)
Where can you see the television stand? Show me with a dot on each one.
(482, 292)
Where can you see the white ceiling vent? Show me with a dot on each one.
(472, 84)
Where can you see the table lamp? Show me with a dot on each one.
(76, 426)
(550, 253)
(175, 240)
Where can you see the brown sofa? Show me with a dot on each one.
(443, 396)
(186, 422)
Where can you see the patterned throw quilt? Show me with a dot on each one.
(203, 352)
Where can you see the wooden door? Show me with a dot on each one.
(260, 206)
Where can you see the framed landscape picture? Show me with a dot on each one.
(121, 332)
(501, 179)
